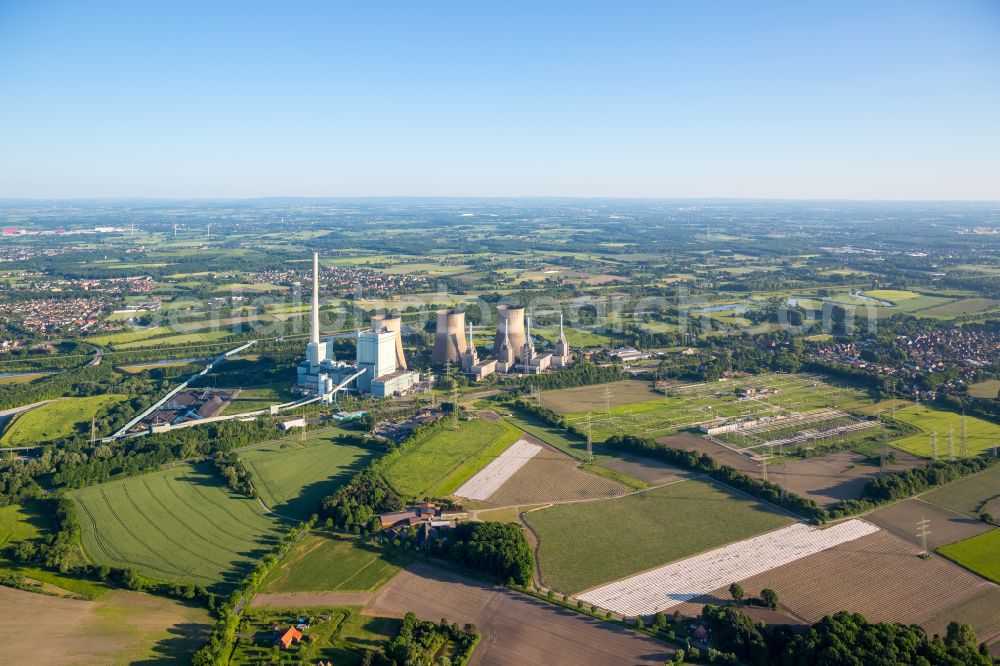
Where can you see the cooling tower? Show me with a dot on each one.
(513, 315)
(394, 324)
(449, 338)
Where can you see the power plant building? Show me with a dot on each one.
(380, 367)
(449, 343)
(510, 327)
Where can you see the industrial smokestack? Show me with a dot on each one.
(511, 318)
(394, 324)
(314, 327)
(449, 338)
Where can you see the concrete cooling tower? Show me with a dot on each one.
(513, 316)
(394, 324)
(449, 338)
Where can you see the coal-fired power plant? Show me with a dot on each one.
(394, 324)
(510, 324)
(449, 338)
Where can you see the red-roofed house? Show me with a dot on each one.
(292, 635)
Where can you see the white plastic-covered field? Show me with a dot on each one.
(669, 585)
(491, 477)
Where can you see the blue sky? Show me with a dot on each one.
(872, 100)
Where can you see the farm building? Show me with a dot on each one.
(289, 638)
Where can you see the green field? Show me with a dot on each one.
(61, 418)
(325, 562)
(982, 435)
(181, 339)
(446, 459)
(22, 378)
(260, 397)
(588, 543)
(968, 495)
(980, 554)
(294, 475)
(129, 336)
(891, 295)
(687, 405)
(178, 525)
(987, 390)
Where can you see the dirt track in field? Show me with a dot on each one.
(881, 577)
(945, 526)
(516, 628)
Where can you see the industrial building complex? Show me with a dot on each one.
(380, 367)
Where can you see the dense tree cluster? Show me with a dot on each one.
(237, 476)
(583, 373)
(499, 549)
(358, 503)
(842, 638)
(418, 642)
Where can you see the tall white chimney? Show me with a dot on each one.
(314, 331)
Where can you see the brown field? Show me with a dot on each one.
(835, 476)
(825, 479)
(516, 629)
(722, 455)
(119, 628)
(966, 495)
(881, 577)
(647, 470)
(946, 526)
(587, 398)
(552, 476)
(988, 389)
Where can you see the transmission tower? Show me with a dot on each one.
(951, 443)
(934, 444)
(923, 531)
(93, 430)
(209, 238)
(763, 465)
(590, 440)
(454, 408)
(964, 446)
(607, 400)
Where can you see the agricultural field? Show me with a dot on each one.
(62, 417)
(901, 518)
(129, 336)
(552, 476)
(688, 405)
(588, 543)
(178, 525)
(982, 435)
(325, 562)
(881, 577)
(969, 495)
(663, 588)
(293, 475)
(445, 460)
(952, 308)
(120, 628)
(591, 398)
(980, 554)
(987, 390)
(174, 340)
(516, 628)
(21, 378)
